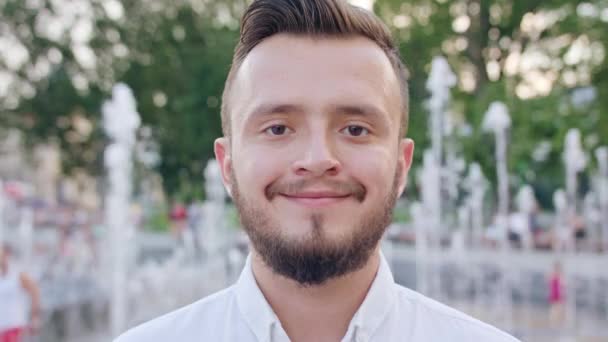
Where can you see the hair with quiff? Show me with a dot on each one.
(313, 18)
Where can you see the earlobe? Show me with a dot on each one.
(221, 148)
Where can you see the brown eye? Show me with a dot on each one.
(356, 130)
(277, 130)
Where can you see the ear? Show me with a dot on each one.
(406, 153)
(221, 148)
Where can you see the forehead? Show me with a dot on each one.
(314, 72)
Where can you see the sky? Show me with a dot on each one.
(367, 4)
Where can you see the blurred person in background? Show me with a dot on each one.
(194, 218)
(556, 295)
(19, 296)
(178, 217)
(66, 226)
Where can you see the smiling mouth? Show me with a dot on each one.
(316, 200)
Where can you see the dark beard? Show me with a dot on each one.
(317, 260)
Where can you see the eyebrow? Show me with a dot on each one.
(271, 109)
(364, 110)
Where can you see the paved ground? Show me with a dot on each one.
(100, 337)
(529, 323)
(532, 324)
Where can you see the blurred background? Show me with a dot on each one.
(110, 199)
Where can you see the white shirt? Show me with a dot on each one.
(13, 302)
(389, 312)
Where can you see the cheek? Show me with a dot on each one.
(254, 171)
(374, 168)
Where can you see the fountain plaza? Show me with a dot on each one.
(101, 273)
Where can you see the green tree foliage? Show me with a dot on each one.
(520, 52)
(175, 56)
(178, 80)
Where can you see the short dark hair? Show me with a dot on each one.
(316, 18)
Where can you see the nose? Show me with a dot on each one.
(318, 158)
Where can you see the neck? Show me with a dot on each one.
(315, 313)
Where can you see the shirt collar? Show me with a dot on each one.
(375, 307)
(261, 318)
(253, 305)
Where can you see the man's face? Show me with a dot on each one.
(315, 162)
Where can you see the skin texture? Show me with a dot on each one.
(314, 164)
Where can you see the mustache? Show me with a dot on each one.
(352, 188)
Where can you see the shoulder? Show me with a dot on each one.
(193, 321)
(436, 321)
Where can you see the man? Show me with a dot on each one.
(314, 110)
(15, 290)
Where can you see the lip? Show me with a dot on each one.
(316, 198)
